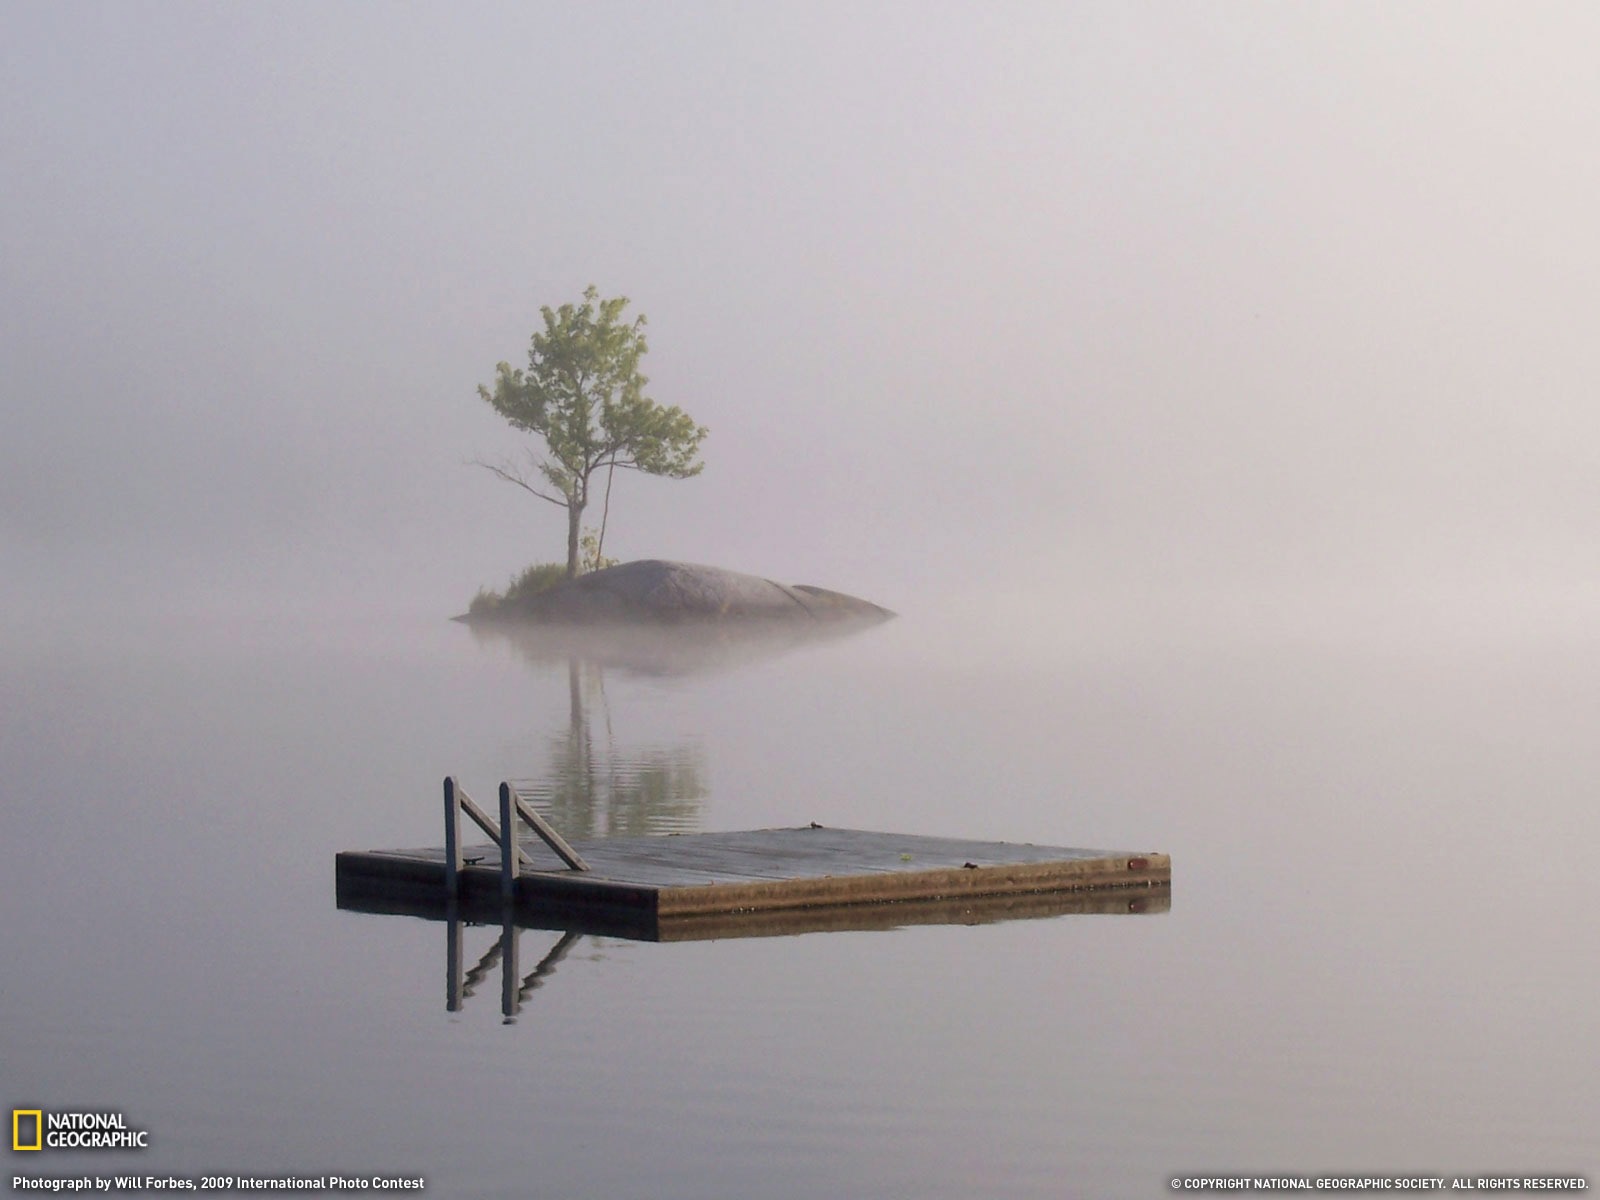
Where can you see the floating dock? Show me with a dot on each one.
(711, 882)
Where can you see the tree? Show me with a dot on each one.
(584, 396)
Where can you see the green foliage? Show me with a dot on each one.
(583, 396)
(589, 556)
(538, 578)
(484, 603)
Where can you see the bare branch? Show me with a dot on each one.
(511, 476)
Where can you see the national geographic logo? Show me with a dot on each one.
(35, 1129)
(22, 1121)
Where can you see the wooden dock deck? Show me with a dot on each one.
(706, 884)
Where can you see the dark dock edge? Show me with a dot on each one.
(356, 894)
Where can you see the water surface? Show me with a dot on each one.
(1379, 954)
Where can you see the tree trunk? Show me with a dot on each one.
(574, 518)
(605, 515)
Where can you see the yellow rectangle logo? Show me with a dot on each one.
(17, 1115)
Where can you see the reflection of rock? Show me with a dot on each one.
(665, 618)
(650, 618)
(653, 590)
(661, 650)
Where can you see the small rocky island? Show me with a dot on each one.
(656, 591)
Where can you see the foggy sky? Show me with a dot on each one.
(1235, 301)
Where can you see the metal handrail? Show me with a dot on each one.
(512, 855)
(544, 829)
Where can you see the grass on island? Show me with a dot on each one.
(540, 577)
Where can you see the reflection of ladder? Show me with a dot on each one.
(514, 987)
(513, 805)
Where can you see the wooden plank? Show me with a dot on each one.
(802, 854)
(709, 857)
(733, 874)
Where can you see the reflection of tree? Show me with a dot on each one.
(591, 789)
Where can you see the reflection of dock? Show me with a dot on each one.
(363, 894)
(775, 880)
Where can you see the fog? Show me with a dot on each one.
(1215, 317)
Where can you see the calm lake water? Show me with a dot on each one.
(1380, 955)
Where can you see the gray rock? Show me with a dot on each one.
(654, 590)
